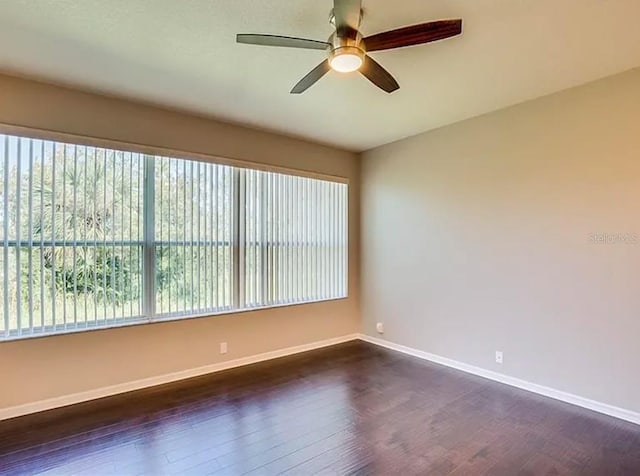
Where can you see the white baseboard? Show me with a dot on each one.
(605, 408)
(51, 403)
(48, 404)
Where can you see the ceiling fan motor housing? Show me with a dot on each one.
(351, 40)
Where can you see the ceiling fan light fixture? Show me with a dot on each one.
(346, 59)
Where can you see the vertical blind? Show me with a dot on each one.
(193, 237)
(71, 234)
(94, 237)
(295, 239)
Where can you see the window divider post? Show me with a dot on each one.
(148, 267)
(239, 226)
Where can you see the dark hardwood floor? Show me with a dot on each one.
(349, 409)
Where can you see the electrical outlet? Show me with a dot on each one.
(223, 347)
(380, 328)
(498, 356)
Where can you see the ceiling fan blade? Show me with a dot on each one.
(378, 75)
(347, 14)
(284, 41)
(414, 35)
(311, 78)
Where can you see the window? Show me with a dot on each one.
(94, 237)
(194, 237)
(294, 239)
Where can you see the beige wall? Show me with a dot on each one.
(43, 368)
(476, 238)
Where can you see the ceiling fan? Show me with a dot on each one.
(347, 49)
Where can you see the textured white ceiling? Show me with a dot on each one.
(182, 54)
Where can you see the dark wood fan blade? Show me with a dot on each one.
(414, 35)
(347, 15)
(310, 79)
(283, 41)
(378, 75)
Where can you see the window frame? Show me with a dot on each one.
(148, 241)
